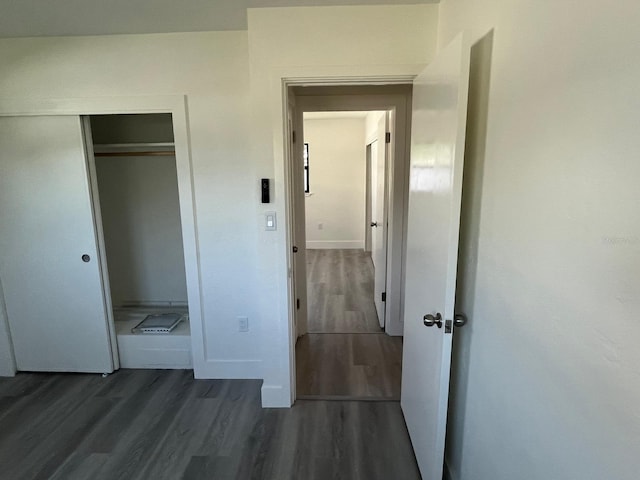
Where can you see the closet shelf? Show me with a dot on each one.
(134, 149)
(143, 153)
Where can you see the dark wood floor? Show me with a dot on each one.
(346, 354)
(366, 366)
(340, 292)
(150, 424)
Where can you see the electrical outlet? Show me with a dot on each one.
(243, 324)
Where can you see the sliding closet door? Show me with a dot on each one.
(49, 268)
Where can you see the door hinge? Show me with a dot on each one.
(297, 304)
(293, 136)
(387, 137)
(384, 296)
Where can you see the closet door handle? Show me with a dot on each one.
(86, 258)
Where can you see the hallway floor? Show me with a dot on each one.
(340, 292)
(346, 353)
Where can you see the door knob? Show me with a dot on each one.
(295, 249)
(459, 320)
(430, 320)
(85, 258)
(374, 224)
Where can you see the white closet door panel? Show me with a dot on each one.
(54, 299)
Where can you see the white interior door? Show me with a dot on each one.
(295, 134)
(367, 206)
(437, 153)
(54, 297)
(379, 217)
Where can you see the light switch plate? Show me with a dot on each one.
(270, 221)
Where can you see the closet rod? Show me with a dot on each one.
(135, 154)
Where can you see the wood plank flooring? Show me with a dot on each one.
(340, 292)
(153, 424)
(366, 366)
(346, 354)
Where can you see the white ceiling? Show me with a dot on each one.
(24, 18)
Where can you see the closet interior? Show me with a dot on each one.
(138, 214)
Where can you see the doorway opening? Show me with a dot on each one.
(349, 190)
(345, 352)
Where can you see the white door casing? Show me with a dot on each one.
(379, 217)
(54, 299)
(435, 188)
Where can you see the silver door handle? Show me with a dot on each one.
(459, 320)
(430, 320)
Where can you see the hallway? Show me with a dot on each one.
(346, 353)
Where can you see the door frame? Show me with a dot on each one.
(176, 105)
(376, 95)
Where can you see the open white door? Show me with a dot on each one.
(49, 262)
(295, 127)
(379, 217)
(435, 189)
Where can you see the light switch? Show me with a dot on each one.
(270, 221)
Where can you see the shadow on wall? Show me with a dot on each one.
(475, 146)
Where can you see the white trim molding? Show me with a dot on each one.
(231, 369)
(335, 244)
(7, 358)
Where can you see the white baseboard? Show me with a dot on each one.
(334, 244)
(7, 359)
(228, 369)
(7, 370)
(274, 396)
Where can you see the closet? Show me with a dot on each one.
(91, 242)
(137, 187)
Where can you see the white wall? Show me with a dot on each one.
(335, 209)
(547, 372)
(142, 230)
